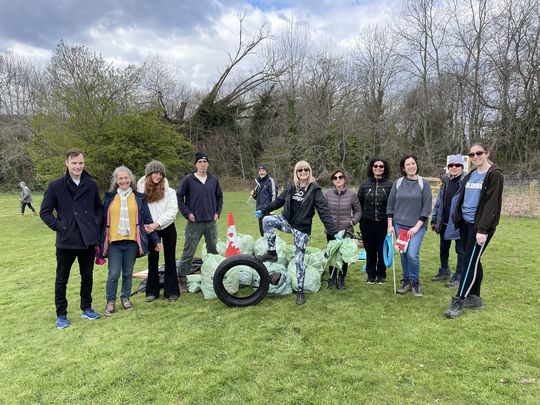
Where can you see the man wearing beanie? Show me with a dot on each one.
(265, 192)
(200, 201)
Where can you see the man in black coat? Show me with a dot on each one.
(72, 208)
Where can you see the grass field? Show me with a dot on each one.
(364, 345)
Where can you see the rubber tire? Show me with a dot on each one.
(241, 260)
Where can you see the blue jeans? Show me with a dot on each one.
(410, 260)
(122, 255)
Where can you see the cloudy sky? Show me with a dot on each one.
(192, 33)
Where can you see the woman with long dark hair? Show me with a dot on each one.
(373, 196)
(477, 215)
(299, 200)
(409, 206)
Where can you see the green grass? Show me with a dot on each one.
(364, 345)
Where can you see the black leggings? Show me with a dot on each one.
(474, 273)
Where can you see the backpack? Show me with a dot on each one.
(420, 182)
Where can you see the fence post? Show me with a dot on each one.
(532, 201)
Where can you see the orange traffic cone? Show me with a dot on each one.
(232, 239)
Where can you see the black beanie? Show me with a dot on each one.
(200, 155)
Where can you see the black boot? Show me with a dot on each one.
(300, 298)
(341, 281)
(332, 278)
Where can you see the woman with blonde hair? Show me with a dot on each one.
(299, 200)
(123, 236)
(163, 207)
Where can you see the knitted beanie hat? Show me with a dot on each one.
(153, 167)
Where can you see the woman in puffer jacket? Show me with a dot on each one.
(163, 207)
(373, 196)
(346, 212)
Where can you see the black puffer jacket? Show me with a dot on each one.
(302, 220)
(373, 196)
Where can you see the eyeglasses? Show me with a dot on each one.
(304, 169)
(450, 165)
(477, 153)
(378, 166)
(337, 177)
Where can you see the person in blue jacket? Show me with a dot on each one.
(72, 208)
(265, 192)
(441, 221)
(123, 236)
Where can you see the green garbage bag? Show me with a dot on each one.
(210, 264)
(246, 244)
(193, 283)
(261, 246)
(247, 276)
(284, 286)
(317, 260)
(312, 278)
(341, 251)
(220, 245)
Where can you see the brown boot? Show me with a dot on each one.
(182, 284)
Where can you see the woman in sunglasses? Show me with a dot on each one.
(477, 215)
(409, 206)
(441, 221)
(373, 196)
(346, 212)
(299, 200)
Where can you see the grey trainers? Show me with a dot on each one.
(405, 287)
(455, 309)
(269, 256)
(473, 301)
(300, 298)
(109, 308)
(442, 274)
(454, 281)
(416, 290)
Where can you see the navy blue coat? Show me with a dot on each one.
(78, 211)
(143, 217)
(451, 232)
(265, 192)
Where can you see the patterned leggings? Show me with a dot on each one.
(273, 222)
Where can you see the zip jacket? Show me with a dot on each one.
(265, 192)
(488, 212)
(373, 196)
(302, 219)
(451, 232)
(344, 208)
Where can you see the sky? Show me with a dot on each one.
(193, 34)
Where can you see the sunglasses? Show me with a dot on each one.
(337, 177)
(450, 165)
(477, 153)
(305, 169)
(378, 166)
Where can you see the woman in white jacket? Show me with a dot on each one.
(163, 208)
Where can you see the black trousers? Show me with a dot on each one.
(444, 252)
(474, 273)
(373, 235)
(168, 239)
(64, 260)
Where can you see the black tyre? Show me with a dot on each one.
(255, 295)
